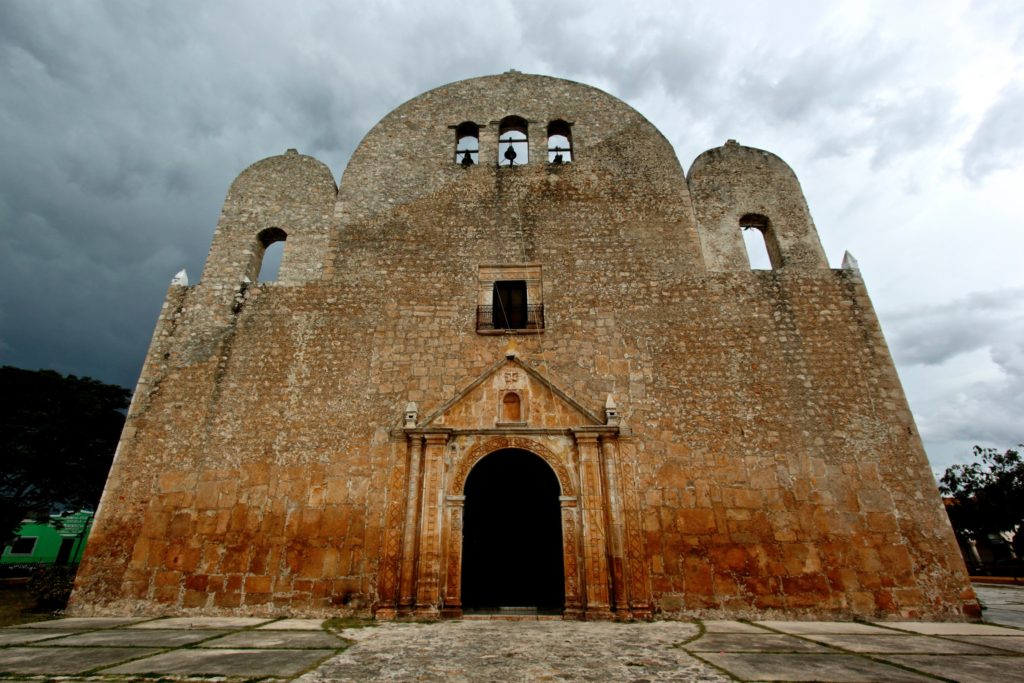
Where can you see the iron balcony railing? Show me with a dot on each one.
(490, 318)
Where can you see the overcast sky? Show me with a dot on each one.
(123, 123)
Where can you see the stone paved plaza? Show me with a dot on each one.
(254, 649)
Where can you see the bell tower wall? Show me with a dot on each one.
(735, 188)
(287, 198)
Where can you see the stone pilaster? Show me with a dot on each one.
(595, 547)
(616, 524)
(406, 592)
(390, 584)
(454, 510)
(570, 557)
(428, 583)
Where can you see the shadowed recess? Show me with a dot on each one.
(512, 540)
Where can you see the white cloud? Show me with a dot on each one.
(998, 142)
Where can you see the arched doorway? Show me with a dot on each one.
(512, 537)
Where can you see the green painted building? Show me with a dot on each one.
(61, 540)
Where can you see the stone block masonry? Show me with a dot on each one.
(303, 446)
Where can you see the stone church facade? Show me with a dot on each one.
(518, 357)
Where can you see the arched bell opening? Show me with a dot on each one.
(512, 550)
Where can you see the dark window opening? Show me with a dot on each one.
(512, 535)
(559, 142)
(271, 243)
(23, 545)
(64, 552)
(510, 298)
(759, 240)
(467, 144)
(513, 144)
(509, 301)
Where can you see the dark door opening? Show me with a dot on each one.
(512, 535)
(510, 305)
(64, 552)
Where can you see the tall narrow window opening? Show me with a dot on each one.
(759, 239)
(559, 142)
(511, 410)
(271, 251)
(513, 144)
(467, 144)
(510, 310)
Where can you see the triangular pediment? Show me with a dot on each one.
(489, 402)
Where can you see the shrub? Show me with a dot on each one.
(51, 585)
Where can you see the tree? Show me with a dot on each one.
(988, 494)
(57, 440)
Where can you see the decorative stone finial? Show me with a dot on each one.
(850, 263)
(731, 143)
(511, 351)
(411, 415)
(292, 150)
(611, 412)
(180, 279)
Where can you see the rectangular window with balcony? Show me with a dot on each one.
(510, 300)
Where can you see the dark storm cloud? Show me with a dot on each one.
(122, 125)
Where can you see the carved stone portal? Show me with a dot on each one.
(602, 555)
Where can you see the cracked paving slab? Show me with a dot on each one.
(811, 667)
(83, 623)
(525, 651)
(295, 639)
(136, 638)
(64, 660)
(234, 662)
(17, 636)
(967, 669)
(902, 643)
(752, 642)
(201, 622)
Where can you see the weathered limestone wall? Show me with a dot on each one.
(768, 459)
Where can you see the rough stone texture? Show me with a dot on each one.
(521, 651)
(760, 459)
